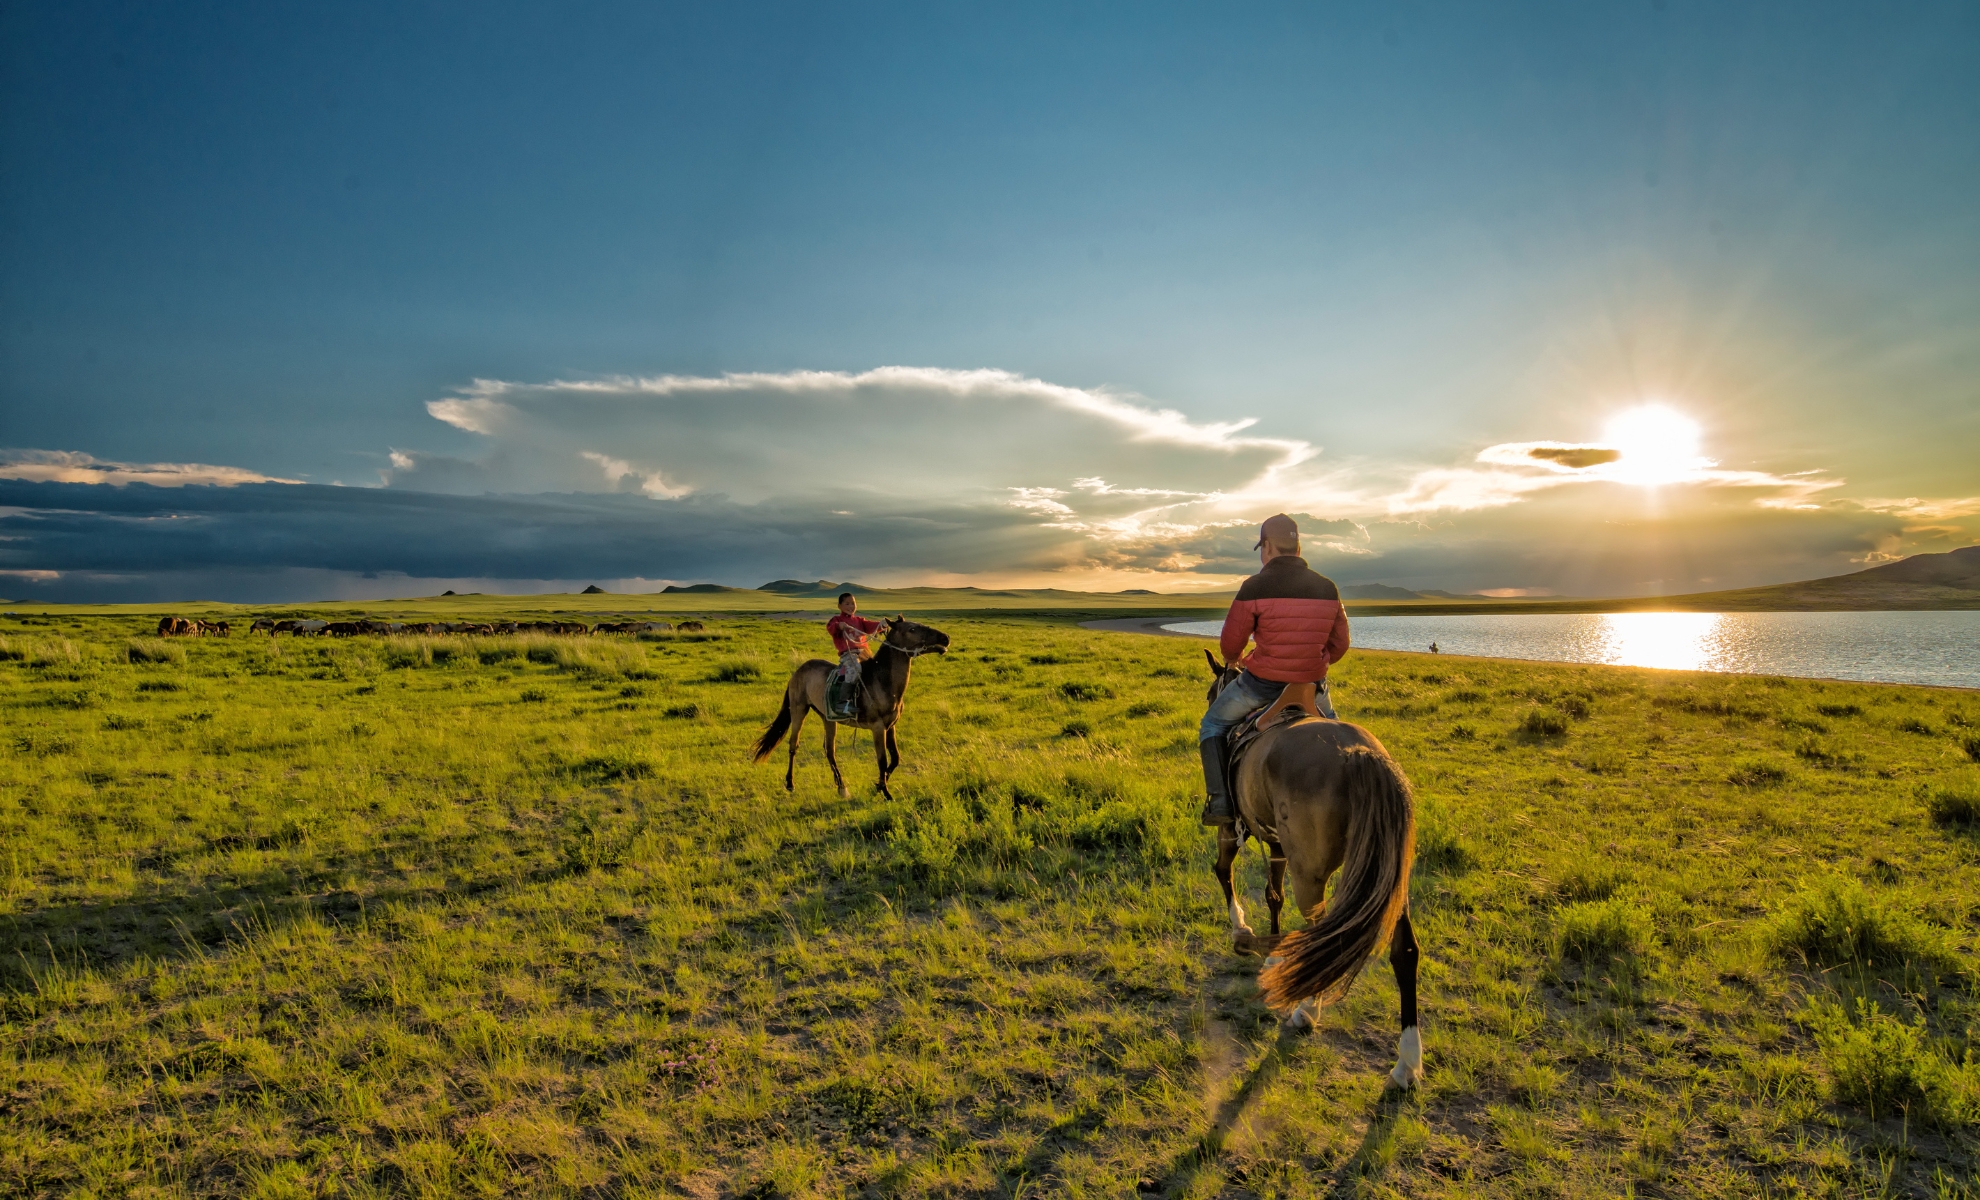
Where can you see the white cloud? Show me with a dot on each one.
(69, 466)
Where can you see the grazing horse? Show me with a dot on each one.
(882, 691)
(1325, 796)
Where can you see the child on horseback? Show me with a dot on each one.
(849, 631)
(1293, 617)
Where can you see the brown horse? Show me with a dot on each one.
(1325, 796)
(883, 689)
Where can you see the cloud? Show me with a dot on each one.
(68, 466)
(919, 475)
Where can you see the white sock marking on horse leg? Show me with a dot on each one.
(1237, 919)
(1304, 1016)
(1409, 1059)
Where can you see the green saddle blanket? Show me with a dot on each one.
(840, 698)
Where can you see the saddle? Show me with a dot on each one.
(1297, 702)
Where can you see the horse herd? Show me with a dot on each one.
(304, 627)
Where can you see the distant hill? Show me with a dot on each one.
(1923, 581)
(697, 589)
(1378, 591)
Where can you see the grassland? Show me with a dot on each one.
(478, 917)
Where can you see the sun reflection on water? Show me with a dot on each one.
(1672, 641)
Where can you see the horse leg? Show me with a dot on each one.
(893, 751)
(880, 756)
(1275, 885)
(1409, 1049)
(831, 742)
(799, 711)
(1227, 852)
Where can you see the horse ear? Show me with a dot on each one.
(1216, 668)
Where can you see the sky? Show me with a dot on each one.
(338, 301)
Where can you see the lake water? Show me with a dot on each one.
(1941, 648)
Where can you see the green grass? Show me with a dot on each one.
(434, 916)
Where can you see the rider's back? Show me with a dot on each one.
(1293, 614)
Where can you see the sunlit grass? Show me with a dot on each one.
(495, 915)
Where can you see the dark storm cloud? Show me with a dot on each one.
(81, 531)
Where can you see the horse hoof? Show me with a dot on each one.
(845, 793)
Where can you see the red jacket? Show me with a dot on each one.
(1294, 615)
(849, 633)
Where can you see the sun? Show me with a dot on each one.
(1658, 445)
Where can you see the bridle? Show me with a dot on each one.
(916, 652)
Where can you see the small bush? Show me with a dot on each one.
(490, 655)
(1146, 708)
(1081, 692)
(684, 712)
(1972, 747)
(532, 696)
(1880, 1064)
(1914, 725)
(161, 685)
(122, 724)
(1463, 733)
(1075, 729)
(1950, 809)
(1839, 710)
(1606, 929)
(611, 768)
(1047, 660)
(541, 654)
(73, 700)
(1757, 772)
(1573, 707)
(1836, 922)
(737, 670)
(1541, 723)
(152, 650)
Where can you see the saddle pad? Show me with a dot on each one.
(835, 696)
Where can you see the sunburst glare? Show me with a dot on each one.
(1658, 445)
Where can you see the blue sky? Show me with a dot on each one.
(279, 242)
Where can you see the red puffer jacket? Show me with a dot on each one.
(1294, 615)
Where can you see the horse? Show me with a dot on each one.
(882, 691)
(1325, 796)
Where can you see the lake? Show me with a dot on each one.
(1939, 648)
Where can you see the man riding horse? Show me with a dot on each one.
(1293, 617)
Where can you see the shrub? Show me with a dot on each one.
(1757, 772)
(1463, 733)
(685, 712)
(1951, 809)
(532, 696)
(736, 670)
(490, 655)
(541, 654)
(1540, 723)
(1047, 660)
(1914, 725)
(153, 650)
(1081, 692)
(1146, 708)
(161, 685)
(1573, 707)
(1839, 710)
(611, 768)
(1972, 747)
(1075, 729)
(1606, 929)
(1836, 921)
(1879, 1063)
(9, 653)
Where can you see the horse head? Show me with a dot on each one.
(1221, 675)
(912, 638)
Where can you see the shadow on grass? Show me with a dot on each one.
(1210, 1147)
(172, 922)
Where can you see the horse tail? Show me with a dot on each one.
(1323, 959)
(775, 733)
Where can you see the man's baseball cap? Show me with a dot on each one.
(1278, 530)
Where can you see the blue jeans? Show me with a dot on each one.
(1246, 695)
